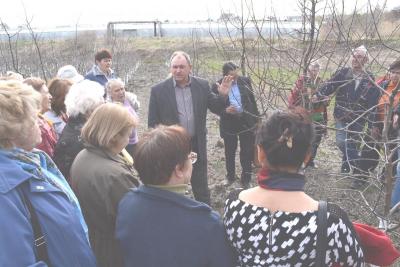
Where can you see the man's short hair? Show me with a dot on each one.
(227, 67)
(361, 50)
(159, 151)
(180, 53)
(102, 54)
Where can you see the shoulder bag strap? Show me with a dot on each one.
(39, 240)
(321, 233)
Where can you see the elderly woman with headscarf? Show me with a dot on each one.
(101, 175)
(81, 100)
(41, 221)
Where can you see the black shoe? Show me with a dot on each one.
(229, 180)
(311, 164)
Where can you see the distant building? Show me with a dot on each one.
(294, 18)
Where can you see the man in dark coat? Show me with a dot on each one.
(184, 99)
(356, 101)
(238, 121)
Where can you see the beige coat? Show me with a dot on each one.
(100, 180)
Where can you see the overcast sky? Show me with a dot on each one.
(50, 13)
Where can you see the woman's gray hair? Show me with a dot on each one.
(314, 64)
(180, 53)
(113, 82)
(83, 98)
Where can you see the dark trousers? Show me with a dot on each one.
(370, 157)
(319, 131)
(199, 179)
(246, 139)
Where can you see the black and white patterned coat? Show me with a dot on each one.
(265, 238)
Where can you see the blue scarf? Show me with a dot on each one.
(282, 181)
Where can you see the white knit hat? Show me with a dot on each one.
(69, 72)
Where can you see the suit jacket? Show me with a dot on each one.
(163, 107)
(234, 123)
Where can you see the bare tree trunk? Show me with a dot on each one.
(37, 46)
(14, 55)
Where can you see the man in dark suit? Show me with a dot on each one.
(238, 121)
(183, 99)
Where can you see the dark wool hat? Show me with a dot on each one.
(395, 64)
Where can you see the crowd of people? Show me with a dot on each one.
(79, 187)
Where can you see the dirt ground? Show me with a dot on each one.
(324, 182)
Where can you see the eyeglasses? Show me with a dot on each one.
(193, 157)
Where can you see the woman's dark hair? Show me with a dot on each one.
(159, 151)
(58, 88)
(227, 67)
(104, 53)
(286, 137)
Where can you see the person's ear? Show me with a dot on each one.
(114, 139)
(179, 171)
(307, 157)
(261, 155)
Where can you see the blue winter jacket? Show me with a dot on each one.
(352, 103)
(97, 76)
(157, 228)
(67, 244)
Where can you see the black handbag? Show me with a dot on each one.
(322, 234)
(39, 240)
